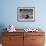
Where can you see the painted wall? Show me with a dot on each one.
(8, 13)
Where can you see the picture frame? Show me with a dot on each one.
(26, 14)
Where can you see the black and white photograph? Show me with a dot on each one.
(26, 14)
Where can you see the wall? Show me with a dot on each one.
(8, 13)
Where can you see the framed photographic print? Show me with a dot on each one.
(26, 14)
